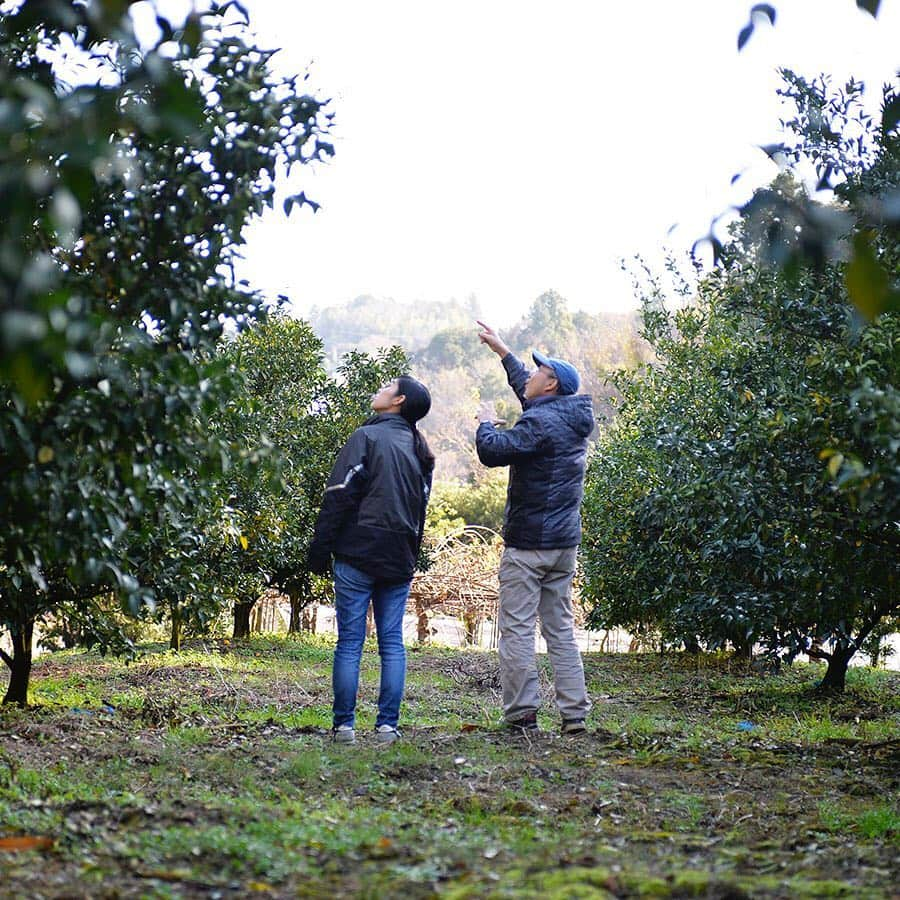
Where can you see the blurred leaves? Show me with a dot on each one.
(857, 161)
(890, 115)
(758, 12)
(868, 283)
(870, 6)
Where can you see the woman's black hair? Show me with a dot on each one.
(415, 406)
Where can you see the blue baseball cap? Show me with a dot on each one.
(566, 374)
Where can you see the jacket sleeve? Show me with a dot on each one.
(516, 374)
(345, 488)
(502, 448)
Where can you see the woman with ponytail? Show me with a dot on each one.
(372, 521)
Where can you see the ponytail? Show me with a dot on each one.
(415, 407)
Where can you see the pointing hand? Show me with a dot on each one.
(492, 339)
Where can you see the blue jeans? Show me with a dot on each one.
(352, 592)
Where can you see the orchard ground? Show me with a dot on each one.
(210, 773)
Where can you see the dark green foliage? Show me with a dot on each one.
(126, 205)
(749, 491)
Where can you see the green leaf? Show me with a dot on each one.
(299, 200)
(115, 9)
(868, 284)
(765, 9)
(192, 33)
(834, 464)
(870, 6)
(891, 115)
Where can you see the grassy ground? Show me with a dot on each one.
(210, 774)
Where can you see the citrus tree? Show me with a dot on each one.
(126, 177)
(747, 493)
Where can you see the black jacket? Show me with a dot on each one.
(546, 451)
(373, 512)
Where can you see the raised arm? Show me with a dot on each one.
(516, 373)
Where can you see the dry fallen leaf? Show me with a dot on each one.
(24, 842)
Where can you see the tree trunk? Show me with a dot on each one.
(297, 595)
(242, 610)
(422, 632)
(470, 627)
(836, 674)
(175, 638)
(70, 637)
(20, 668)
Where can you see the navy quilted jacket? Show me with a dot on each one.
(546, 451)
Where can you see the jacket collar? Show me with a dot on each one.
(387, 418)
(539, 401)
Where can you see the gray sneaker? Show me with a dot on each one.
(386, 734)
(343, 734)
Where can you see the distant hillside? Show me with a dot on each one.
(368, 323)
(442, 341)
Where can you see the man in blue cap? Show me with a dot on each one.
(546, 451)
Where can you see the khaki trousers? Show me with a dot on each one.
(537, 585)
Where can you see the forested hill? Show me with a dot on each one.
(367, 323)
(442, 340)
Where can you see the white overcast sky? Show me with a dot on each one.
(505, 147)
